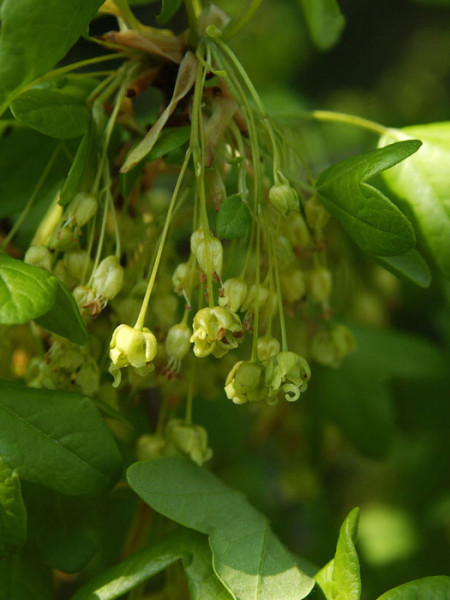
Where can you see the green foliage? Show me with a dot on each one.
(248, 557)
(233, 219)
(423, 183)
(13, 514)
(24, 154)
(22, 576)
(28, 292)
(30, 46)
(56, 108)
(63, 530)
(411, 266)
(367, 215)
(428, 588)
(78, 463)
(192, 548)
(340, 578)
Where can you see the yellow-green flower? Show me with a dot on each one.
(287, 373)
(216, 331)
(245, 383)
(132, 347)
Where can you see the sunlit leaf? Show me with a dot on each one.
(186, 545)
(367, 215)
(248, 558)
(423, 185)
(340, 578)
(26, 292)
(428, 588)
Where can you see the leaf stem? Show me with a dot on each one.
(32, 199)
(140, 320)
(337, 117)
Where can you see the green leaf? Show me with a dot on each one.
(22, 577)
(428, 588)
(57, 439)
(233, 219)
(65, 531)
(24, 154)
(56, 108)
(325, 21)
(346, 577)
(64, 317)
(248, 558)
(170, 139)
(423, 185)
(369, 217)
(82, 168)
(168, 9)
(26, 292)
(13, 514)
(30, 46)
(410, 266)
(340, 578)
(189, 546)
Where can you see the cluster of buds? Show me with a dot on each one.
(178, 439)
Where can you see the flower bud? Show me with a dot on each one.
(331, 347)
(216, 331)
(296, 231)
(132, 347)
(185, 277)
(88, 376)
(287, 373)
(178, 341)
(234, 293)
(39, 256)
(84, 296)
(256, 294)
(245, 383)
(316, 214)
(284, 199)
(319, 285)
(82, 208)
(108, 278)
(208, 251)
(77, 262)
(293, 285)
(62, 239)
(150, 445)
(158, 199)
(189, 440)
(268, 347)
